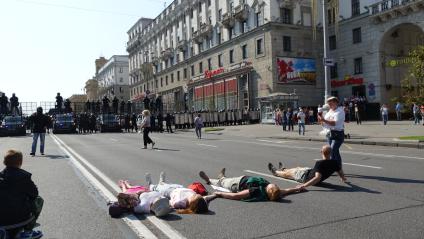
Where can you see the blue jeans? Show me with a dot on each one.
(199, 132)
(335, 149)
(302, 128)
(385, 119)
(34, 142)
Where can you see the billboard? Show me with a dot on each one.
(296, 70)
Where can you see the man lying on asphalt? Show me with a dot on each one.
(247, 188)
(322, 170)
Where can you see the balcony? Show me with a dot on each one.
(167, 53)
(228, 19)
(197, 37)
(388, 9)
(241, 12)
(155, 60)
(133, 43)
(206, 30)
(182, 45)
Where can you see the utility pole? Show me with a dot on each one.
(327, 92)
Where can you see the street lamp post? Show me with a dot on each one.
(327, 92)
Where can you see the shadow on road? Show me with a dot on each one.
(385, 179)
(53, 156)
(340, 188)
(171, 217)
(162, 149)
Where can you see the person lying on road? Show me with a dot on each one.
(322, 170)
(247, 188)
(185, 200)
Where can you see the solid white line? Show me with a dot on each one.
(268, 141)
(270, 176)
(140, 229)
(113, 139)
(208, 145)
(162, 225)
(361, 165)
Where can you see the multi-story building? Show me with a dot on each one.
(113, 78)
(371, 46)
(226, 54)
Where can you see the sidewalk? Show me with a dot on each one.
(369, 133)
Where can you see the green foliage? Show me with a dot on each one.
(413, 84)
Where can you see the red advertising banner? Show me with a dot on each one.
(231, 85)
(198, 92)
(208, 90)
(219, 88)
(347, 81)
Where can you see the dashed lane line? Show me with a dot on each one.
(208, 145)
(140, 229)
(161, 225)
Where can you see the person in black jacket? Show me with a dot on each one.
(168, 120)
(39, 123)
(20, 204)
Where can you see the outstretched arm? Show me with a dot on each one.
(234, 196)
(286, 191)
(311, 182)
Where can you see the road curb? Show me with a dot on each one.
(417, 145)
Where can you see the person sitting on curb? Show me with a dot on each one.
(322, 170)
(185, 200)
(20, 203)
(247, 188)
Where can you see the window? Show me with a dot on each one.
(161, 82)
(231, 4)
(358, 65)
(333, 71)
(156, 84)
(209, 64)
(185, 73)
(219, 15)
(200, 67)
(220, 60)
(243, 27)
(259, 19)
(285, 15)
(287, 43)
(166, 80)
(356, 8)
(200, 6)
(231, 54)
(244, 52)
(230, 33)
(172, 78)
(121, 79)
(357, 35)
(192, 70)
(178, 75)
(259, 46)
(332, 42)
(218, 38)
(121, 70)
(209, 3)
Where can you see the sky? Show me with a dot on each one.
(49, 46)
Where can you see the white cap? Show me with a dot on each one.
(161, 207)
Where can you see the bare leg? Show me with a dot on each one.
(287, 173)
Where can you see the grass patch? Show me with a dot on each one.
(212, 129)
(419, 138)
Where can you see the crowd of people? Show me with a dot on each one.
(9, 106)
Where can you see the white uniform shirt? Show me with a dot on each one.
(301, 117)
(146, 199)
(337, 115)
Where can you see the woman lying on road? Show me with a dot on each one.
(322, 170)
(247, 188)
(185, 200)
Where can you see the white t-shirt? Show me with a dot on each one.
(337, 115)
(384, 110)
(179, 196)
(301, 117)
(146, 199)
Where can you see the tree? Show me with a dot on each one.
(413, 84)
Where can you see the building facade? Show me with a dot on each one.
(371, 45)
(113, 78)
(225, 54)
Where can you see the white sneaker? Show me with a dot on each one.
(148, 179)
(162, 177)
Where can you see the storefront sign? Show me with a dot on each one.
(398, 62)
(209, 74)
(296, 70)
(348, 80)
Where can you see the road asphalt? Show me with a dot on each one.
(383, 199)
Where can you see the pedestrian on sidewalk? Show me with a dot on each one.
(168, 120)
(358, 114)
(398, 109)
(20, 204)
(422, 113)
(333, 122)
(198, 125)
(416, 112)
(284, 115)
(384, 113)
(39, 123)
(290, 120)
(301, 121)
(145, 125)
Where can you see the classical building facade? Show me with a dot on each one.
(113, 79)
(371, 46)
(226, 54)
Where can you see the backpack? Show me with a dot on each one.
(198, 188)
(261, 184)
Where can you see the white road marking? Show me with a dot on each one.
(270, 176)
(160, 224)
(140, 229)
(348, 146)
(208, 145)
(114, 139)
(361, 165)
